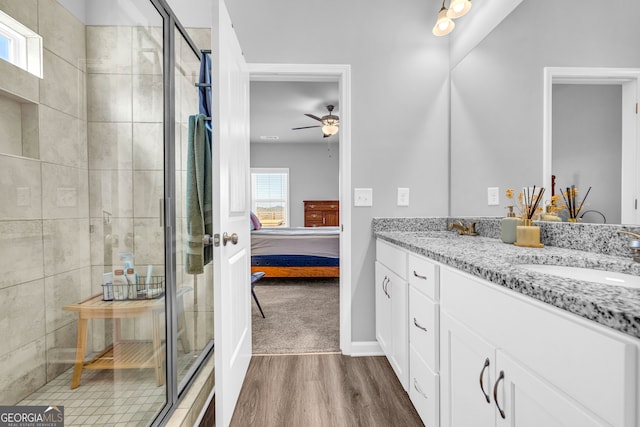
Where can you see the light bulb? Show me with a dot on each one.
(458, 8)
(444, 24)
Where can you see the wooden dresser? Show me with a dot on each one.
(321, 213)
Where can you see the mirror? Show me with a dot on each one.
(497, 93)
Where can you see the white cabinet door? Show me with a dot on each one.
(383, 308)
(466, 376)
(391, 320)
(524, 400)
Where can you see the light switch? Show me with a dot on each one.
(363, 197)
(403, 197)
(493, 196)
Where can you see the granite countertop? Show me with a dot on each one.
(617, 307)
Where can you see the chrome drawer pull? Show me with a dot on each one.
(419, 276)
(486, 365)
(417, 387)
(495, 394)
(417, 325)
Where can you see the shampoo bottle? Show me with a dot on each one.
(508, 226)
(120, 285)
(132, 280)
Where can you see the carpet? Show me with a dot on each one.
(302, 316)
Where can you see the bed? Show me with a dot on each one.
(296, 252)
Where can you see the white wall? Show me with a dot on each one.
(313, 171)
(587, 145)
(400, 95)
(497, 93)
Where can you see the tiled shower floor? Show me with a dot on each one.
(123, 397)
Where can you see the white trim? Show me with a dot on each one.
(629, 79)
(366, 348)
(341, 74)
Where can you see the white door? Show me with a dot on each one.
(232, 309)
(383, 309)
(524, 400)
(466, 377)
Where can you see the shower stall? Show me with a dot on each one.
(93, 156)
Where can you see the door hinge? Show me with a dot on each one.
(636, 204)
(216, 240)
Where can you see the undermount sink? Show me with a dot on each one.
(586, 274)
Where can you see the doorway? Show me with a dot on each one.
(340, 75)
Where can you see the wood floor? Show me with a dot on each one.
(322, 390)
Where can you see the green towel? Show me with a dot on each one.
(199, 196)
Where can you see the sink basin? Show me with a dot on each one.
(586, 274)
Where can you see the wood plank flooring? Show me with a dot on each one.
(322, 390)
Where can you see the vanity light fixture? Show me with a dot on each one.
(458, 8)
(444, 24)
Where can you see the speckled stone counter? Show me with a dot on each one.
(488, 258)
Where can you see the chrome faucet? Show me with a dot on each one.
(634, 245)
(463, 229)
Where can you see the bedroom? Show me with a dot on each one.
(295, 196)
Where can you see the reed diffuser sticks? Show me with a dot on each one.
(531, 201)
(571, 203)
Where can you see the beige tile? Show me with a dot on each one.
(109, 145)
(111, 191)
(30, 130)
(21, 248)
(148, 241)
(65, 138)
(22, 371)
(62, 33)
(148, 190)
(201, 37)
(61, 349)
(19, 82)
(65, 192)
(106, 247)
(147, 50)
(22, 317)
(24, 11)
(148, 100)
(114, 108)
(66, 245)
(64, 289)
(10, 126)
(148, 146)
(20, 185)
(61, 87)
(108, 49)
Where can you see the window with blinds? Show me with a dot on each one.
(270, 196)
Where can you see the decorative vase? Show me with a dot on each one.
(572, 219)
(528, 235)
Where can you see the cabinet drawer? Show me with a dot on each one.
(393, 257)
(423, 275)
(424, 327)
(423, 390)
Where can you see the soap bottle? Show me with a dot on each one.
(132, 281)
(120, 285)
(508, 226)
(550, 215)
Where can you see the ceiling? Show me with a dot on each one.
(277, 106)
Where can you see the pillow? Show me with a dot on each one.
(255, 222)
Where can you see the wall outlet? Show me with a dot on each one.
(363, 197)
(403, 197)
(493, 196)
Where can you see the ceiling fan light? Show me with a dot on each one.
(458, 8)
(329, 130)
(444, 24)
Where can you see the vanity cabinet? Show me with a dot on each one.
(391, 308)
(511, 361)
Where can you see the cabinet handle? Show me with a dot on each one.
(419, 276)
(495, 394)
(418, 389)
(386, 288)
(484, 368)
(417, 325)
(384, 285)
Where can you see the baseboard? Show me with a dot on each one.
(366, 348)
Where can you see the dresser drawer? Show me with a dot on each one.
(423, 389)
(423, 275)
(393, 257)
(424, 327)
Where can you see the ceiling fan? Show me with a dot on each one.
(330, 123)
